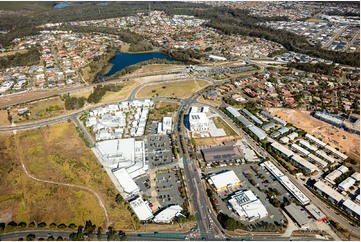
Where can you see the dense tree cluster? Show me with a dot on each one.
(31, 57)
(72, 103)
(99, 91)
(321, 68)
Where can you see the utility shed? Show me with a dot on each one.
(297, 214)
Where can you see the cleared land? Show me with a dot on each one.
(123, 94)
(43, 109)
(180, 89)
(156, 69)
(211, 141)
(216, 103)
(324, 131)
(4, 121)
(55, 153)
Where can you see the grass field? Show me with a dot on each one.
(81, 94)
(211, 141)
(4, 121)
(122, 94)
(180, 89)
(40, 110)
(221, 124)
(58, 154)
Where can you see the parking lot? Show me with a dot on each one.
(143, 183)
(159, 151)
(263, 180)
(167, 187)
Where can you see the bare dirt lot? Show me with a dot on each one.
(155, 69)
(347, 142)
(57, 154)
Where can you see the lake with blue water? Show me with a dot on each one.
(122, 60)
(63, 5)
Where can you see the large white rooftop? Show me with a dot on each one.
(126, 181)
(352, 206)
(167, 215)
(224, 179)
(283, 149)
(329, 191)
(141, 209)
(246, 204)
(304, 163)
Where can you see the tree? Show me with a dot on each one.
(30, 237)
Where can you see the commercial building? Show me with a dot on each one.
(223, 180)
(300, 196)
(356, 176)
(244, 121)
(323, 155)
(328, 192)
(278, 120)
(318, 142)
(258, 132)
(316, 212)
(318, 161)
(346, 184)
(297, 214)
(307, 145)
(300, 149)
(299, 161)
(141, 209)
(352, 208)
(168, 214)
(328, 119)
(254, 118)
(268, 126)
(222, 153)
(124, 153)
(126, 181)
(284, 140)
(333, 176)
(165, 127)
(336, 153)
(233, 111)
(343, 169)
(283, 130)
(282, 149)
(247, 205)
(198, 122)
(292, 136)
(217, 58)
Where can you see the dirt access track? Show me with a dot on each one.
(337, 138)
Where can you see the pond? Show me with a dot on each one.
(122, 60)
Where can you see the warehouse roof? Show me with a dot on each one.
(141, 209)
(126, 181)
(333, 175)
(258, 132)
(246, 204)
(346, 184)
(306, 144)
(167, 215)
(304, 163)
(314, 139)
(315, 212)
(352, 206)
(233, 111)
(300, 149)
(319, 161)
(299, 216)
(283, 149)
(219, 153)
(329, 191)
(224, 179)
(244, 121)
(336, 152)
